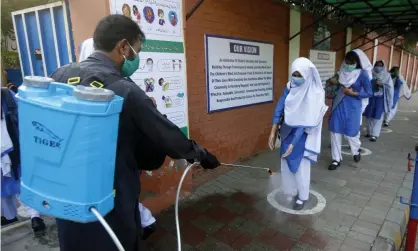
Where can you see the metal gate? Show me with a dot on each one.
(43, 38)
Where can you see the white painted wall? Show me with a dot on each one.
(294, 44)
(391, 57)
(375, 50)
(348, 38)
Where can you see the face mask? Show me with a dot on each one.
(130, 66)
(378, 69)
(350, 67)
(297, 81)
(149, 66)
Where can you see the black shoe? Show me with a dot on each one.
(38, 225)
(147, 231)
(5, 222)
(385, 124)
(367, 136)
(373, 139)
(299, 204)
(357, 157)
(334, 165)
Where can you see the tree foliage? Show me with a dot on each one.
(8, 6)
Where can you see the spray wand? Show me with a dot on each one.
(176, 209)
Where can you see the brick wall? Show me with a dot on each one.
(368, 43)
(306, 37)
(415, 71)
(338, 41)
(404, 64)
(383, 53)
(238, 132)
(396, 58)
(84, 20)
(410, 68)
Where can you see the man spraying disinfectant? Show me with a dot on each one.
(118, 41)
(147, 220)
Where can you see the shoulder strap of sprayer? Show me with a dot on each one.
(97, 79)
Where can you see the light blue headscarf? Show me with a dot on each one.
(385, 78)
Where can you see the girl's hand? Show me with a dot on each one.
(288, 151)
(273, 137)
(272, 141)
(350, 92)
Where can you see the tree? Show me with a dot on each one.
(8, 6)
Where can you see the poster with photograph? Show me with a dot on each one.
(162, 68)
(321, 32)
(238, 72)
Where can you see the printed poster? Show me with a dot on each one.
(238, 72)
(162, 68)
(324, 62)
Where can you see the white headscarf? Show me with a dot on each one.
(305, 106)
(404, 90)
(307, 99)
(86, 49)
(348, 78)
(366, 65)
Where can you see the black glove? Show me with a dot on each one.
(209, 161)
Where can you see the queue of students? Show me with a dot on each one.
(360, 89)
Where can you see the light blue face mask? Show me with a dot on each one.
(378, 69)
(350, 67)
(129, 67)
(297, 81)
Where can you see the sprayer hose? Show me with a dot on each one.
(177, 203)
(108, 229)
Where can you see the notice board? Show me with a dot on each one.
(324, 62)
(239, 72)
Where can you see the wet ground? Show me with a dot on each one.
(243, 210)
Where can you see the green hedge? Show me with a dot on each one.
(10, 60)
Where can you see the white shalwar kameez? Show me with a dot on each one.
(381, 102)
(303, 132)
(355, 80)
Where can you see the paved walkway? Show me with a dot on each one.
(232, 212)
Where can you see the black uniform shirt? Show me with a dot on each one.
(140, 125)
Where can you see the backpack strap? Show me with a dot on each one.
(73, 70)
(98, 79)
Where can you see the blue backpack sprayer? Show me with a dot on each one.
(68, 139)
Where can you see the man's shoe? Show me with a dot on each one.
(38, 225)
(147, 231)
